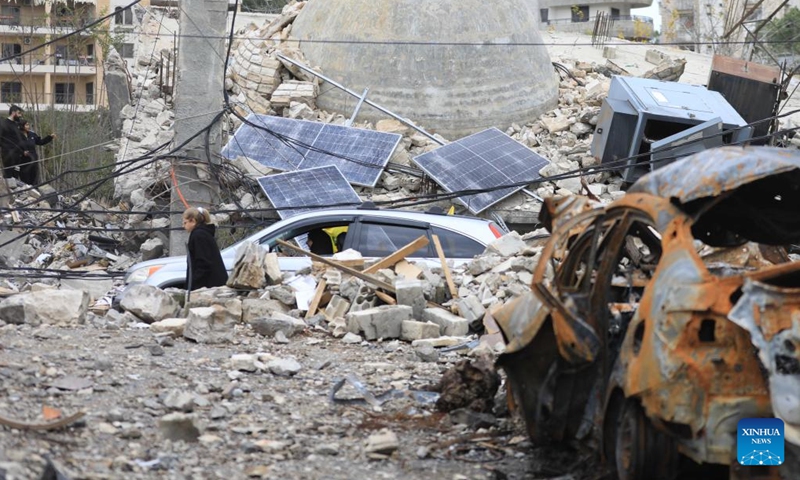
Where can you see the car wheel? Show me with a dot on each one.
(640, 451)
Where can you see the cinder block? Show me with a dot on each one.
(409, 292)
(337, 307)
(364, 299)
(381, 322)
(450, 325)
(412, 330)
(470, 308)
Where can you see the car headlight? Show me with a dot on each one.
(141, 274)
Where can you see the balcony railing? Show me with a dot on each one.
(39, 24)
(618, 18)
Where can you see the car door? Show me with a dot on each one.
(379, 237)
(291, 261)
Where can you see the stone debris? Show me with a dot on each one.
(384, 442)
(149, 303)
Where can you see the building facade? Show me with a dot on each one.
(579, 17)
(717, 26)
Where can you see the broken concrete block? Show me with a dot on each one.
(556, 124)
(275, 322)
(172, 325)
(149, 303)
(450, 325)
(384, 443)
(470, 308)
(96, 287)
(610, 52)
(179, 426)
(283, 294)
(248, 271)
(482, 264)
(409, 292)
(244, 362)
(254, 308)
(50, 307)
(412, 330)
(655, 57)
(284, 367)
(364, 299)
(337, 307)
(440, 341)
(508, 245)
(209, 325)
(272, 269)
(381, 322)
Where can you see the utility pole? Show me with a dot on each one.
(198, 99)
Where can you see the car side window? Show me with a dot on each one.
(380, 240)
(455, 245)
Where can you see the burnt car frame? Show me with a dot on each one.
(658, 321)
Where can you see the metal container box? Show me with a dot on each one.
(640, 111)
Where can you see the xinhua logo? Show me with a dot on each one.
(759, 441)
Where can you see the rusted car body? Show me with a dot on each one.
(658, 321)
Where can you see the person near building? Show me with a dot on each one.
(204, 265)
(12, 142)
(29, 166)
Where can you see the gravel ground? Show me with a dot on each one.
(251, 424)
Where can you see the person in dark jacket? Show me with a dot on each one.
(12, 142)
(319, 242)
(29, 167)
(204, 266)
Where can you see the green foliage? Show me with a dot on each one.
(75, 131)
(784, 34)
(263, 6)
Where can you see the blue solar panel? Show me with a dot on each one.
(486, 159)
(361, 155)
(320, 187)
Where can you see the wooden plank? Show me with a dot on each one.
(385, 297)
(312, 308)
(407, 270)
(366, 277)
(390, 260)
(447, 275)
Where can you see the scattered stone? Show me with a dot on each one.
(384, 442)
(209, 325)
(149, 303)
(426, 353)
(352, 338)
(169, 325)
(327, 449)
(275, 322)
(156, 350)
(244, 362)
(179, 427)
(412, 330)
(179, 400)
(152, 249)
(473, 420)
(280, 337)
(284, 367)
(52, 307)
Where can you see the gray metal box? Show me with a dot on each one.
(640, 111)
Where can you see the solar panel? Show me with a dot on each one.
(361, 155)
(319, 187)
(486, 159)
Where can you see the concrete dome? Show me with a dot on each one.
(453, 90)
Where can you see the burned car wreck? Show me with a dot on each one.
(657, 322)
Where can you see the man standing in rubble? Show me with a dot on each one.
(11, 142)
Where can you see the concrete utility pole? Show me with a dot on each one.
(198, 98)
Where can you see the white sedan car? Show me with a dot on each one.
(373, 233)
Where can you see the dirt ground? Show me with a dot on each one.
(252, 424)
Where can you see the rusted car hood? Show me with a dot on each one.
(713, 172)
